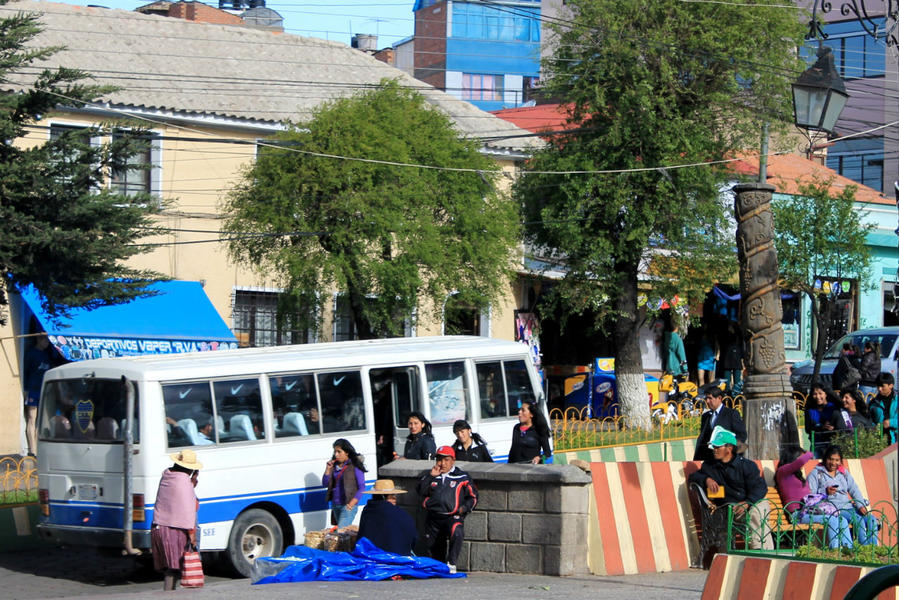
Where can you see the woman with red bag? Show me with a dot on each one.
(175, 516)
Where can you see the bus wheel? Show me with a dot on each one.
(255, 533)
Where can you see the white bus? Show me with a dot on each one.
(263, 422)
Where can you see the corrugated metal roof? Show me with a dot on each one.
(200, 68)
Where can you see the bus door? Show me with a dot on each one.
(395, 392)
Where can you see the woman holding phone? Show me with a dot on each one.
(345, 479)
(834, 480)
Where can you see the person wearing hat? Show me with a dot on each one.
(386, 525)
(717, 415)
(448, 494)
(469, 446)
(175, 516)
(742, 483)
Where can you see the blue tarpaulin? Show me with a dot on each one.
(366, 563)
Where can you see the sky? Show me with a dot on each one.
(335, 20)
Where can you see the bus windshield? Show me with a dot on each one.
(84, 410)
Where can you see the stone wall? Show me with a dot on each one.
(529, 518)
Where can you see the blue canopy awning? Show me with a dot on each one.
(179, 318)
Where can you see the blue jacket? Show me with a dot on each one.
(388, 527)
(885, 408)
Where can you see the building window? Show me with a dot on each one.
(890, 318)
(482, 87)
(791, 303)
(856, 53)
(460, 318)
(255, 316)
(860, 160)
(141, 170)
(345, 329)
(70, 162)
(501, 24)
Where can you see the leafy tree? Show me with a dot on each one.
(820, 235)
(650, 84)
(387, 235)
(60, 229)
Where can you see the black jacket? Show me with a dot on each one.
(869, 368)
(728, 418)
(420, 447)
(475, 453)
(388, 527)
(740, 477)
(451, 494)
(526, 445)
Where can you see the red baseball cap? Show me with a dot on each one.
(446, 451)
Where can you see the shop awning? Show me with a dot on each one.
(179, 318)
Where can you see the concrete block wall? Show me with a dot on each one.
(529, 518)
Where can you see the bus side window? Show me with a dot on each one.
(239, 404)
(343, 408)
(518, 384)
(294, 407)
(491, 390)
(447, 391)
(187, 403)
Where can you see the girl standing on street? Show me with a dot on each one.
(345, 479)
(175, 516)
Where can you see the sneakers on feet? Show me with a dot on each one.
(452, 567)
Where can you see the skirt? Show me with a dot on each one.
(168, 545)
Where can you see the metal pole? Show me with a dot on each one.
(127, 469)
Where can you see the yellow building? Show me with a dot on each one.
(209, 93)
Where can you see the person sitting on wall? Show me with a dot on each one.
(717, 415)
(448, 494)
(386, 525)
(744, 487)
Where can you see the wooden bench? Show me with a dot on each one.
(784, 529)
(713, 519)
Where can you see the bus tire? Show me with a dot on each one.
(255, 533)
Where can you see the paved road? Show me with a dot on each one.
(68, 573)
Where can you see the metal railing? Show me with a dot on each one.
(823, 535)
(574, 430)
(18, 480)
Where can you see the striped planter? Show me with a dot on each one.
(641, 520)
(750, 578)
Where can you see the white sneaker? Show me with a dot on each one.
(452, 567)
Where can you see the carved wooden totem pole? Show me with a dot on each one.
(768, 409)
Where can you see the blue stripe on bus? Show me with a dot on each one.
(212, 510)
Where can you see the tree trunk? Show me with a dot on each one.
(632, 395)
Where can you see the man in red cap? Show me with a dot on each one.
(448, 494)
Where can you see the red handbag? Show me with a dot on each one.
(191, 569)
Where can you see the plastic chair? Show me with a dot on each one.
(189, 427)
(62, 428)
(294, 424)
(107, 429)
(242, 427)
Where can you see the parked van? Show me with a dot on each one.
(887, 337)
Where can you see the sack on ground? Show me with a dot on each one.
(191, 570)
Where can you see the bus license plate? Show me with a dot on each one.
(88, 491)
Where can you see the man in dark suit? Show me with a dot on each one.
(718, 414)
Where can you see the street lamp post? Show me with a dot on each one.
(882, 25)
(818, 98)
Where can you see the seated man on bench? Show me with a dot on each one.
(743, 486)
